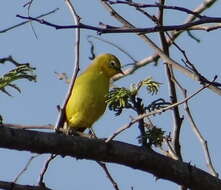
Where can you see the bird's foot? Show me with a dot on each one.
(74, 132)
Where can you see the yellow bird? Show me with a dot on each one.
(87, 101)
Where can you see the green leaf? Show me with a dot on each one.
(118, 99)
(151, 85)
(124, 98)
(21, 71)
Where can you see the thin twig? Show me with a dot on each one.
(23, 23)
(198, 133)
(157, 5)
(62, 76)
(136, 66)
(61, 118)
(199, 9)
(104, 167)
(199, 136)
(202, 7)
(44, 169)
(190, 66)
(25, 168)
(11, 60)
(172, 153)
(206, 28)
(114, 45)
(202, 141)
(31, 23)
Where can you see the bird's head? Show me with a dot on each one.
(109, 64)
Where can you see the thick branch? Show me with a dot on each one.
(116, 152)
(14, 186)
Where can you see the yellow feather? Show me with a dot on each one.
(87, 101)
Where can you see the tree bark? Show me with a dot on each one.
(116, 152)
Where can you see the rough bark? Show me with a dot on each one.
(114, 151)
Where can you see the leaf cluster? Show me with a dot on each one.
(154, 136)
(119, 99)
(125, 98)
(21, 71)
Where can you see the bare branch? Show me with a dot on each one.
(153, 58)
(44, 169)
(177, 120)
(61, 117)
(116, 152)
(207, 28)
(10, 59)
(157, 5)
(104, 167)
(181, 68)
(114, 45)
(168, 60)
(172, 153)
(114, 29)
(136, 66)
(14, 186)
(25, 168)
(23, 23)
(202, 141)
(199, 9)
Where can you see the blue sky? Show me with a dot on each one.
(53, 51)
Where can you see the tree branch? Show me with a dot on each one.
(114, 29)
(115, 152)
(153, 58)
(22, 23)
(14, 186)
(172, 88)
(61, 116)
(157, 5)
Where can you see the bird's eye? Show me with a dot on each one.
(113, 64)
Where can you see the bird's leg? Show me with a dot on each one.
(74, 132)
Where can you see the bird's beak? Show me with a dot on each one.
(120, 71)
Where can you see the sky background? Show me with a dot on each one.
(53, 51)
